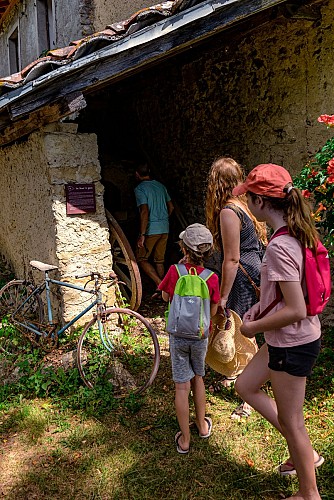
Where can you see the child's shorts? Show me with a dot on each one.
(188, 358)
(297, 360)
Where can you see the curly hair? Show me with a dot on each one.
(224, 175)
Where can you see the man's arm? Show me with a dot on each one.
(170, 207)
(143, 213)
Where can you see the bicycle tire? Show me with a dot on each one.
(132, 361)
(11, 296)
(125, 264)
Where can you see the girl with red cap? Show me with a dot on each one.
(292, 338)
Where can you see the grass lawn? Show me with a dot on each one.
(62, 441)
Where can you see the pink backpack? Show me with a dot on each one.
(317, 278)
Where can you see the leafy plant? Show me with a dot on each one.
(316, 180)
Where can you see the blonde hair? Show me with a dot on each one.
(224, 175)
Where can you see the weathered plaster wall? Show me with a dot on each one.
(23, 18)
(72, 20)
(33, 220)
(27, 20)
(68, 21)
(26, 217)
(106, 12)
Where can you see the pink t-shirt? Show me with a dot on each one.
(283, 261)
(169, 282)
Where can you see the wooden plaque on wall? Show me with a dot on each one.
(80, 199)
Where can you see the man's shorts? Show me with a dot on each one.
(154, 244)
(297, 360)
(188, 358)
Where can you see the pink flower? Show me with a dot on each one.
(313, 173)
(327, 119)
(330, 179)
(306, 193)
(330, 168)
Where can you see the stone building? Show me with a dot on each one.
(236, 77)
(31, 27)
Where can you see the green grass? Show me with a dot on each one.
(61, 440)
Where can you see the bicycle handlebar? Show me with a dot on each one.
(94, 274)
(86, 275)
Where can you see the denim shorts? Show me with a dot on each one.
(188, 358)
(297, 360)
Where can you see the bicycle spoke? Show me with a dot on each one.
(18, 313)
(124, 358)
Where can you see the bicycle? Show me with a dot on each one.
(118, 347)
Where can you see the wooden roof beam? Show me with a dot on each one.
(5, 8)
(49, 114)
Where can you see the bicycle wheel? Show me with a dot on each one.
(12, 295)
(124, 355)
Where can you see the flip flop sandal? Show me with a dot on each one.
(178, 447)
(226, 382)
(241, 411)
(157, 294)
(292, 471)
(208, 434)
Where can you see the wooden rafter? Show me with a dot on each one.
(51, 113)
(5, 7)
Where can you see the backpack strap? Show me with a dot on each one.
(181, 269)
(279, 295)
(278, 298)
(206, 274)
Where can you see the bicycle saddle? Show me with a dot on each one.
(41, 266)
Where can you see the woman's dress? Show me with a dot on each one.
(242, 295)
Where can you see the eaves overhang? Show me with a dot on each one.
(61, 92)
(6, 6)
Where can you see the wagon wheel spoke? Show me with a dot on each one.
(125, 264)
(123, 289)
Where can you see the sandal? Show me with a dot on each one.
(157, 294)
(292, 471)
(178, 447)
(228, 381)
(208, 434)
(241, 411)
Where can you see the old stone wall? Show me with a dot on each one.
(67, 26)
(71, 21)
(22, 18)
(33, 220)
(254, 94)
(26, 217)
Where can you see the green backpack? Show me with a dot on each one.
(188, 314)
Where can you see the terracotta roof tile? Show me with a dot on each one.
(92, 43)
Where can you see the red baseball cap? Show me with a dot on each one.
(266, 179)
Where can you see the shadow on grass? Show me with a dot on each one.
(129, 452)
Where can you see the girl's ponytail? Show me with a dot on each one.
(298, 216)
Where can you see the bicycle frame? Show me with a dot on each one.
(46, 286)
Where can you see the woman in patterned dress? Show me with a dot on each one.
(238, 239)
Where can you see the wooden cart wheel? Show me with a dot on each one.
(125, 264)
